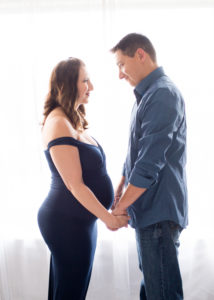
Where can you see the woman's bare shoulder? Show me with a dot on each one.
(57, 125)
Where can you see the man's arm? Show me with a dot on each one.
(162, 118)
(118, 192)
(131, 194)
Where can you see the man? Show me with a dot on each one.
(155, 196)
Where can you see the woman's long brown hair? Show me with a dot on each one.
(63, 92)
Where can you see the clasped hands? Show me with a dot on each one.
(121, 216)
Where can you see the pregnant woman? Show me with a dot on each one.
(81, 190)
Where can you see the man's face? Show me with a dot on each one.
(129, 67)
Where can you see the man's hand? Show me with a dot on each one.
(119, 221)
(117, 211)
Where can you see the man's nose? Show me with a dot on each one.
(121, 74)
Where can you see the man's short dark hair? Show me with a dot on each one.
(131, 42)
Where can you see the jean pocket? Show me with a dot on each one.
(174, 226)
(151, 232)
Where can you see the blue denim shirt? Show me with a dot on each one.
(156, 156)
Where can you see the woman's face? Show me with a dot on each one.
(84, 86)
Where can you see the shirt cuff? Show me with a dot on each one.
(141, 181)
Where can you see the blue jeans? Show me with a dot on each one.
(157, 247)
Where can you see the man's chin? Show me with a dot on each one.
(131, 83)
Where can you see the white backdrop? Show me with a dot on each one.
(34, 37)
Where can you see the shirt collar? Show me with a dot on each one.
(146, 82)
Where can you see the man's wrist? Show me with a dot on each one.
(121, 206)
(122, 182)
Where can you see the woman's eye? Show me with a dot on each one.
(85, 80)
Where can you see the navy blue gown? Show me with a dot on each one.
(69, 229)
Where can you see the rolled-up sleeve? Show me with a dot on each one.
(157, 120)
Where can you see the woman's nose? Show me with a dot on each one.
(90, 87)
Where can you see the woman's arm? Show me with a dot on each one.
(67, 161)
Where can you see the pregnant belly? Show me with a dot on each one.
(60, 199)
(102, 188)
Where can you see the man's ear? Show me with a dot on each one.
(141, 54)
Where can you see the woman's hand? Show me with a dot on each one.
(116, 222)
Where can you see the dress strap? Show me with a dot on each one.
(65, 140)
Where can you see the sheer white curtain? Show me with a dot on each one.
(34, 37)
